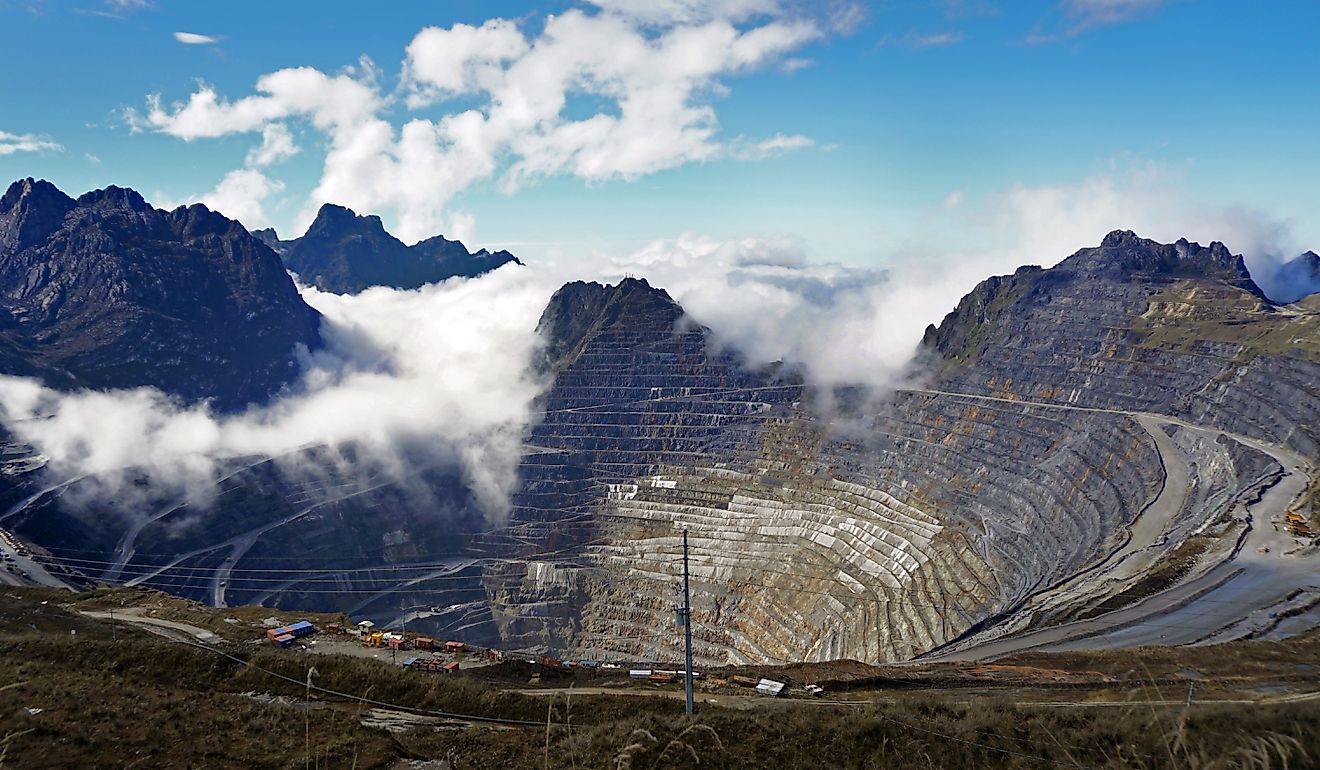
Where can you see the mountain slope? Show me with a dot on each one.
(345, 253)
(1044, 473)
(107, 292)
(1114, 438)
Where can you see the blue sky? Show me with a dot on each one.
(861, 130)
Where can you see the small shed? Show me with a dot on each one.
(640, 673)
(769, 687)
(453, 646)
(284, 640)
(450, 667)
(423, 643)
(302, 628)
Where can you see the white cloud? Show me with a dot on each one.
(954, 199)
(242, 195)
(443, 367)
(918, 41)
(745, 149)
(1080, 16)
(14, 143)
(461, 59)
(652, 73)
(192, 38)
(330, 102)
(276, 145)
(670, 12)
(1092, 12)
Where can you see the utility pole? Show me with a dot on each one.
(114, 635)
(687, 626)
(404, 633)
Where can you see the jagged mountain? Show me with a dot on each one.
(1297, 278)
(581, 309)
(107, 292)
(345, 253)
(1104, 449)
(271, 238)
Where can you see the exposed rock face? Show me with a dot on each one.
(107, 292)
(580, 310)
(1189, 335)
(271, 238)
(345, 253)
(1065, 444)
(890, 525)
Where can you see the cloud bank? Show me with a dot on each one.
(444, 367)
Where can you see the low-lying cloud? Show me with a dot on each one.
(446, 368)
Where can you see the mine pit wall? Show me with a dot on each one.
(1125, 345)
(953, 514)
(923, 517)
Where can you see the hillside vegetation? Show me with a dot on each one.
(144, 701)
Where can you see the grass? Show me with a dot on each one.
(1187, 313)
(145, 702)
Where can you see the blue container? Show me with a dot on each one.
(302, 628)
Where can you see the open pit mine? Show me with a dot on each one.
(1118, 450)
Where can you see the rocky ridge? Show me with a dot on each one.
(345, 253)
(107, 292)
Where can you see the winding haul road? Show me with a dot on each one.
(1259, 574)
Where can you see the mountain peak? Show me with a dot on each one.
(30, 190)
(581, 308)
(1124, 254)
(30, 210)
(345, 253)
(109, 292)
(332, 215)
(114, 197)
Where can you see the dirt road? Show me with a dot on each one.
(1261, 574)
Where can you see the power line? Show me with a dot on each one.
(364, 699)
(150, 574)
